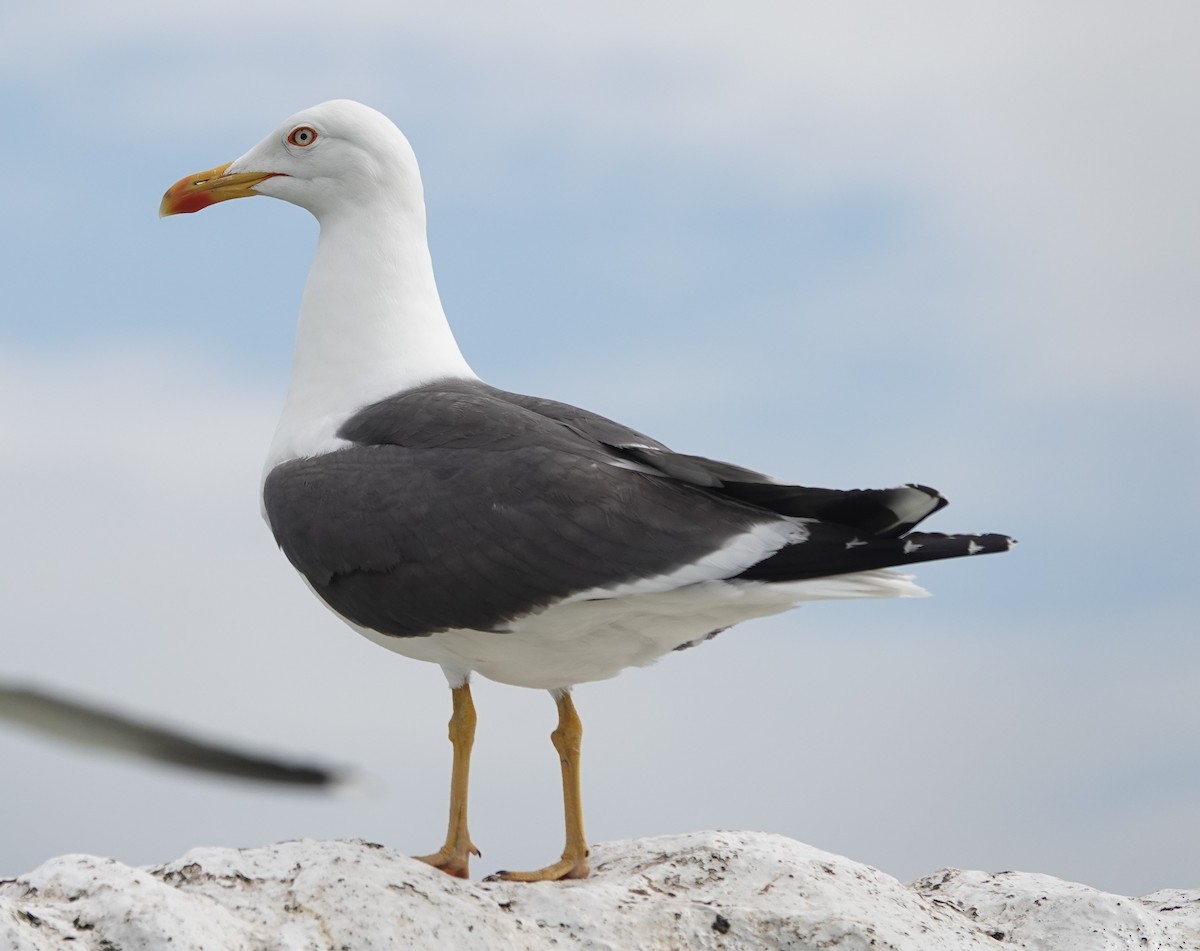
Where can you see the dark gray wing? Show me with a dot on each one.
(454, 507)
(458, 505)
(877, 512)
(593, 426)
(849, 530)
(91, 726)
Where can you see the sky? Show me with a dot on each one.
(851, 245)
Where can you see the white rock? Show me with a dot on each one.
(701, 891)
(1043, 913)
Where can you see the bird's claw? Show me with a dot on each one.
(568, 867)
(452, 861)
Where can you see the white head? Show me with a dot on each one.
(337, 156)
(371, 321)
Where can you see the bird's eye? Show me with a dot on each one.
(303, 136)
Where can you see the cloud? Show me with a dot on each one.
(1047, 142)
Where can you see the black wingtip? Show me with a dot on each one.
(833, 550)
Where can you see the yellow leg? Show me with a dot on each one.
(454, 858)
(574, 861)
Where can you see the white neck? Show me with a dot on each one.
(371, 324)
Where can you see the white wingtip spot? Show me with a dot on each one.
(974, 548)
(910, 546)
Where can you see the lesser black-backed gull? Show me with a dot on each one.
(521, 539)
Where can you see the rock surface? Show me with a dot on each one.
(700, 891)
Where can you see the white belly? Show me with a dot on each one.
(579, 641)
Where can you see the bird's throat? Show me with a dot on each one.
(371, 324)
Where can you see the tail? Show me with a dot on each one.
(832, 549)
(848, 530)
(854, 530)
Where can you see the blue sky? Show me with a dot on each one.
(847, 246)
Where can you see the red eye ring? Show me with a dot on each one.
(302, 136)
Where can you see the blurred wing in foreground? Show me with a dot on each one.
(96, 728)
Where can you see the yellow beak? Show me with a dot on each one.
(207, 188)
